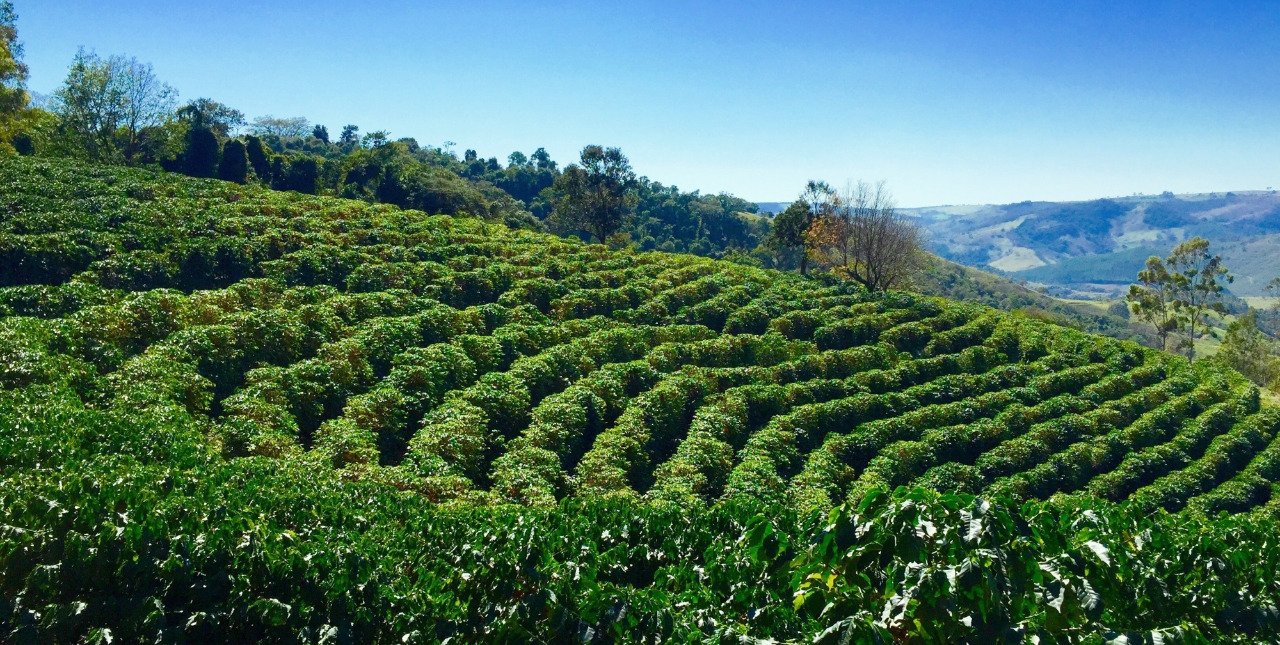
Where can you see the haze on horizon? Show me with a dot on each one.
(957, 104)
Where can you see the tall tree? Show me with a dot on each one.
(105, 105)
(234, 165)
(320, 132)
(13, 72)
(376, 139)
(877, 246)
(822, 202)
(1154, 299)
(148, 103)
(89, 105)
(596, 196)
(542, 160)
(222, 119)
(1198, 276)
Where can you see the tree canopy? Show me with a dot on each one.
(597, 194)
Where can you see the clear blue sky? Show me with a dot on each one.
(949, 102)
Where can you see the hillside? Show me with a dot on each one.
(955, 281)
(1096, 247)
(239, 414)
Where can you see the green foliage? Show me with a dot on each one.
(235, 414)
(13, 76)
(1179, 292)
(200, 158)
(234, 165)
(595, 196)
(1247, 350)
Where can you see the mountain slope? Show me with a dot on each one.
(232, 412)
(1098, 246)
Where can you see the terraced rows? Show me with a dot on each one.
(476, 364)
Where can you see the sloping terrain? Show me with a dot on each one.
(210, 385)
(1098, 246)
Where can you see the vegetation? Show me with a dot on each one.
(1177, 293)
(866, 240)
(1251, 352)
(238, 414)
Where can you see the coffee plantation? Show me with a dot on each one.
(231, 414)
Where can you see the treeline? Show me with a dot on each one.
(115, 109)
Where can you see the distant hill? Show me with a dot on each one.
(1094, 248)
(948, 279)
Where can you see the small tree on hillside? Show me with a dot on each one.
(1198, 277)
(301, 175)
(1249, 351)
(795, 225)
(787, 234)
(866, 239)
(1153, 299)
(281, 127)
(1179, 292)
(350, 138)
(596, 196)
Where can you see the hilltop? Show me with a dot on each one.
(243, 414)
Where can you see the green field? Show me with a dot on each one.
(235, 414)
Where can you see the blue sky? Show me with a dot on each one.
(950, 102)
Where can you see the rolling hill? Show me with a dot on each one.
(235, 414)
(1095, 248)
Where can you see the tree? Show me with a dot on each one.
(1153, 300)
(517, 159)
(350, 137)
(788, 233)
(200, 159)
(234, 165)
(876, 246)
(1197, 276)
(89, 105)
(13, 72)
(596, 196)
(208, 113)
(819, 201)
(541, 160)
(376, 139)
(1179, 292)
(320, 132)
(148, 103)
(1249, 351)
(105, 105)
(257, 154)
(280, 127)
